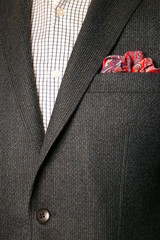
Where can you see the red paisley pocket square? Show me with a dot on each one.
(132, 61)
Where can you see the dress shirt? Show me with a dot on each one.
(55, 26)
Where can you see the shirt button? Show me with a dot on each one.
(60, 12)
(56, 74)
(42, 216)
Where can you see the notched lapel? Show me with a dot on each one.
(102, 27)
(16, 44)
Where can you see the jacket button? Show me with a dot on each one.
(42, 216)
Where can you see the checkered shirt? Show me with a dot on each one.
(55, 26)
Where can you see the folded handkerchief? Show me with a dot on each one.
(132, 61)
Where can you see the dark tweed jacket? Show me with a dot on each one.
(97, 170)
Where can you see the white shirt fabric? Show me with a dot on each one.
(55, 26)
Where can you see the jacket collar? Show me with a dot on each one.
(17, 49)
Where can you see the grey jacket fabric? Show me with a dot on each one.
(97, 169)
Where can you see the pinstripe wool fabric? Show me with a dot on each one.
(55, 26)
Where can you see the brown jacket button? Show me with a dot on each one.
(42, 216)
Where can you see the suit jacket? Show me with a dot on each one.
(97, 169)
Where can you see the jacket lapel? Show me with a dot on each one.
(102, 27)
(16, 43)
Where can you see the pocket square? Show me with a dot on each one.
(132, 61)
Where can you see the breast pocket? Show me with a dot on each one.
(126, 83)
(126, 101)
